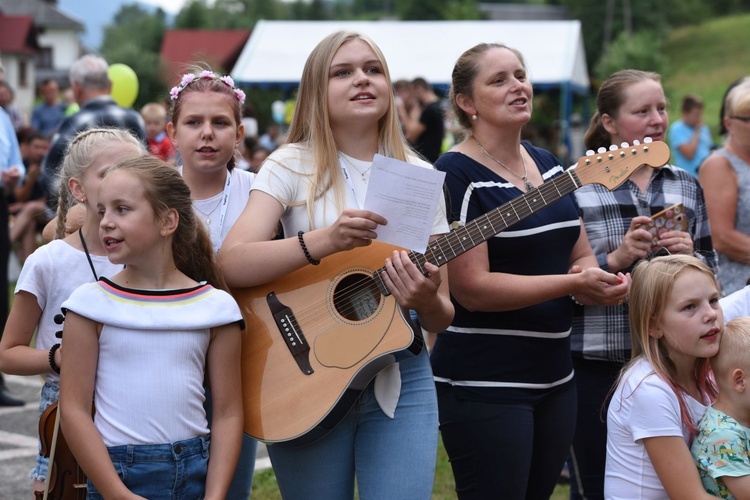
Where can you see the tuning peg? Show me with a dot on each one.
(647, 140)
(590, 152)
(58, 334)
(59, 318)
(601, 150)
(612, 147)
(624, 145)
(636, 142)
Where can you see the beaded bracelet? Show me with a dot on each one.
(304, 249)
(52, 363)
(573, 298)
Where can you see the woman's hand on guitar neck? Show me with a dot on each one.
(408, 285)
(425, 293)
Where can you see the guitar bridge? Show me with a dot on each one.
(291, 333)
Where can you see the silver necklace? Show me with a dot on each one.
(526, 182)
(363, 174)
(208, 215)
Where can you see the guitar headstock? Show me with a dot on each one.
(611, 167)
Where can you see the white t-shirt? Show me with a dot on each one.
(51, 274)
(239, 192)
(736, 305)
(643, 406)
(286, 175)
(152, 358)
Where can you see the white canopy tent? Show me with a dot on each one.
(276, 51)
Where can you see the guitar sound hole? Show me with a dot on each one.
(356, 297)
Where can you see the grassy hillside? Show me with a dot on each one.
(705, 59)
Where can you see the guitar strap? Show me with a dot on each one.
(88, 256)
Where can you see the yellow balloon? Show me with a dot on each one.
(124, 84)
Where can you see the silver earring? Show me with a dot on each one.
(474, 117)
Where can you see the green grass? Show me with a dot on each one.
(266, 488)
(704, 59)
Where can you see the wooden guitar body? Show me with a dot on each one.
(315, 338)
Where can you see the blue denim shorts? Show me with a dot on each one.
(161, 471)
(50, 394)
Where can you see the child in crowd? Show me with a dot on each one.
(676, 325)
(155, 116)
(53, 271)
(206, 129)
(28, 200)
(162, 324)
(721, 446)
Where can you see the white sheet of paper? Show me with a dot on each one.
(407, 196)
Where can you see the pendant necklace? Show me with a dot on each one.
(208, 215)
(222, 202)
(361, 173)
(526, 182)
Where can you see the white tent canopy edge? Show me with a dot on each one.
(276, 51)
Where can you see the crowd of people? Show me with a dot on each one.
(575, 337)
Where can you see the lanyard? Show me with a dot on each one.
(348, 180)
(224, 203)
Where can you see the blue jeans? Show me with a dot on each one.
(161, 471)
(50, 395)
(390, 458)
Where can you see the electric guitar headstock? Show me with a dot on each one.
(611, 167)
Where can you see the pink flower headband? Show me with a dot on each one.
(208, 75)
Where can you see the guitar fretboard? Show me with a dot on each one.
(484, 227)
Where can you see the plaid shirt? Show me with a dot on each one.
(603, 333)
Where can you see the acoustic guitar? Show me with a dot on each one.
(317, 336)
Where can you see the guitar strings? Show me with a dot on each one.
(517, 209)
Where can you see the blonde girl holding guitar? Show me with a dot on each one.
(345, 114)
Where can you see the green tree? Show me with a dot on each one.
(641, 50)
(422, 10)
(140, 52)
(196, 14)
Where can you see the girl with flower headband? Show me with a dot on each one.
(316, 183)
(206, 129)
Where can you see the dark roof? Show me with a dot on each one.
(17, 35)
(46, 14)
(217, 48)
